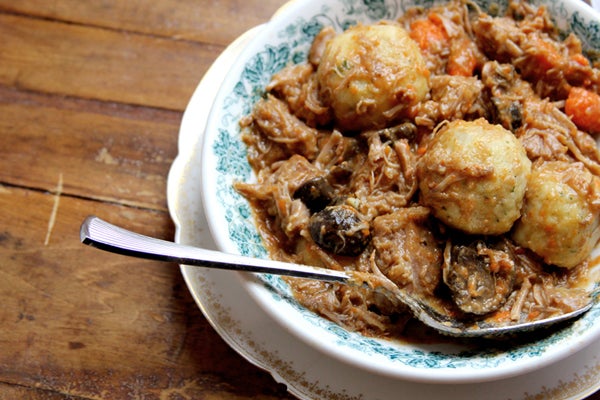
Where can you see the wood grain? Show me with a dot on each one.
(215, 22)
(102, 152)
(96, 325)
(93, 63)
(91, 98)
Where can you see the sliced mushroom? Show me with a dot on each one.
(480, 278)
(315, 193)
(405, 130)
(340, 229)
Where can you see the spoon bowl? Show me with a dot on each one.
(103, 235)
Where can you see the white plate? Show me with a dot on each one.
(287, 38)
(307, 372)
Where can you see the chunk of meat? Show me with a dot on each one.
(298, 87)
(386, 179)
(319, 43)
(273, 119)
(407, 251)
(275, 190)
(459, 97)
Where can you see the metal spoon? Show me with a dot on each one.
(103, 235)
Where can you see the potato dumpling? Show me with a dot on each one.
(560, 219)
(369, 75)
(473, 176)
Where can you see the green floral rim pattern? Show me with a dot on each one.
(291, 45)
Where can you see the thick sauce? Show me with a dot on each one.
(434, 152)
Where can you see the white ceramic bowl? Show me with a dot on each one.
(286, 39)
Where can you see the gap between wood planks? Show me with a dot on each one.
(10, 94)
(58, 192)
(100, 199)
(106, 28)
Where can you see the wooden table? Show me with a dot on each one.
(91, 97)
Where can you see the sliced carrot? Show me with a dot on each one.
(533, 314)
(500, 316)
(583, 106)
(462, 60)
(427, 32)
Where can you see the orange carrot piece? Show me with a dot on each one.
(583, 106)
(428, 31)
(501, 316)
(462, 60)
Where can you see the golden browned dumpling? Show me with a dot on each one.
(561, 213)
(473, 176)
(370, 75)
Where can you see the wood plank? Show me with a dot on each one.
(93, 63)
(216, 22)
(82, 322)
(117, 154)
(8, 391)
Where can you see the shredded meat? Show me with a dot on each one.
(453, 97)
(541, 292)
(274, 120)
(530, 43)
(545, 131)
(318, 45)
(297, 85)
(276, 190)
(511, 70)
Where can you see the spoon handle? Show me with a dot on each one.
(105, 236)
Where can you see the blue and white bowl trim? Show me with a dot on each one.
(225, 162)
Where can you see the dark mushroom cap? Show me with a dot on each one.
(340, 229)
(479, 278)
